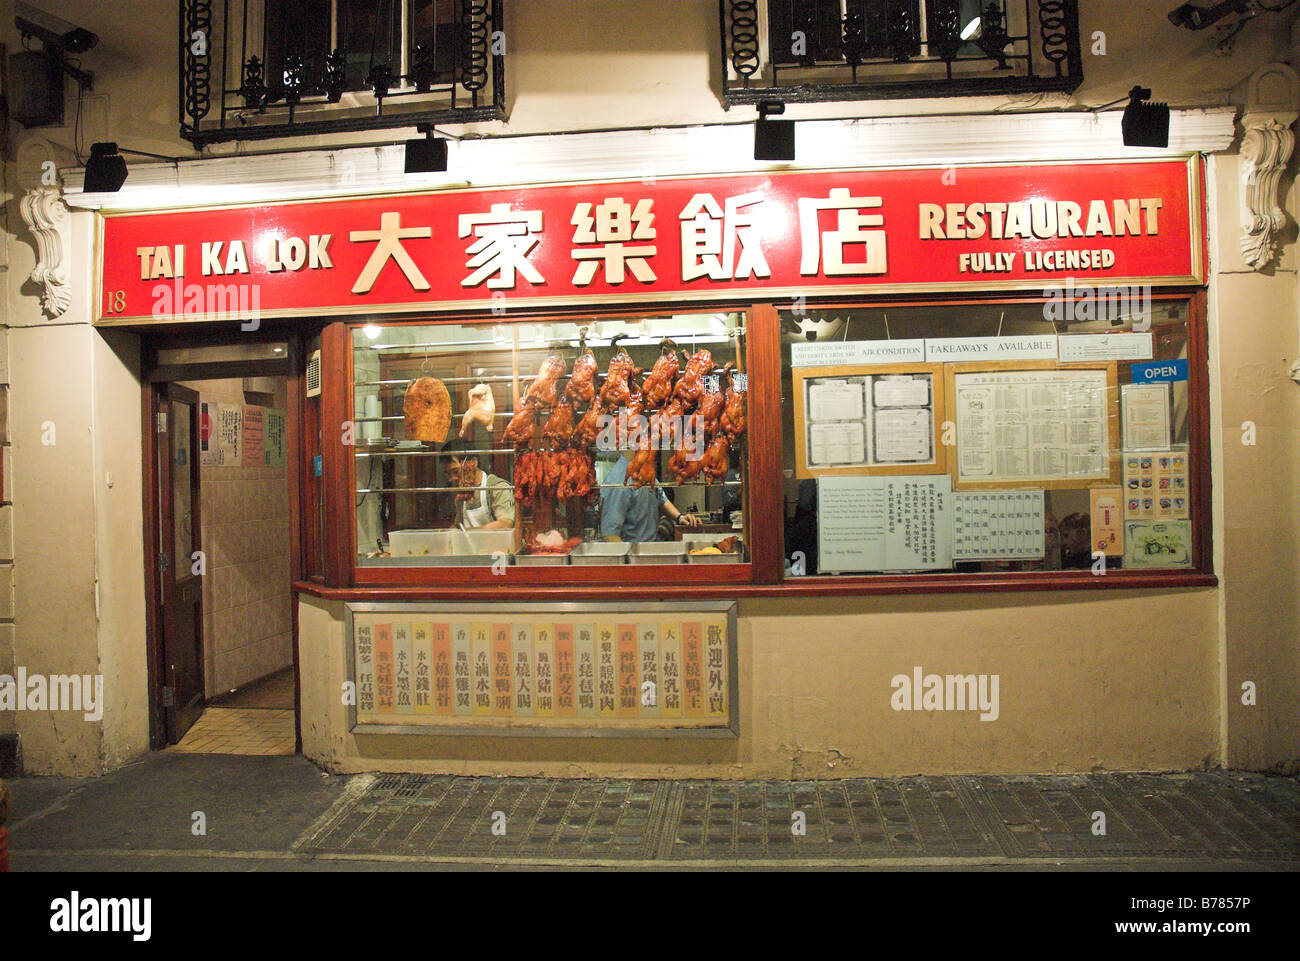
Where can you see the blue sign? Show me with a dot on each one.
(1160, 372)
(316, 465)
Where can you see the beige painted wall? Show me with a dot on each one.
(815, 693)
(1256, 318)
(247, 628)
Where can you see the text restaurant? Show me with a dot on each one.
(546, 443)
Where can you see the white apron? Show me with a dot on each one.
(481, 513)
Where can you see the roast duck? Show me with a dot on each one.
(553, 475)
(733, 411)
(559, 426)
(616, 390)
(588, 429)
(522, 425)
(482, 409)
(711, 404)
(658, 385)
(581, 388)
(542, 391)
(691, 385)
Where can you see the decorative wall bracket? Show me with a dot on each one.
(46, 215)
(1272, 106)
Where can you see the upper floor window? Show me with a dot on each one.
(795, 50)
(256, 69)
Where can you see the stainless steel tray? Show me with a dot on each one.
(599, 552)
(430, 560)
(732, 558)
(541, 560)
(657, 552)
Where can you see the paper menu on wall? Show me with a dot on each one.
(884, 523)
(835, 400)
(902, 391)
(1032, 425)
(1145, 411)
(842, 443)
(230, 433)
(998, 525)
(903, 435)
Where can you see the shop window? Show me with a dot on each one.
(991, 438)
(552, 450)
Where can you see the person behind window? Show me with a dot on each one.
(632, 514)
(491, 503)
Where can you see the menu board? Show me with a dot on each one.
(1146, 416)
(1027, 426)
(1155, 485)
(230, 435)
(884, 523)
(998, 525)
(640, 666)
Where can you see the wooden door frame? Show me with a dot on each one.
(151, 382)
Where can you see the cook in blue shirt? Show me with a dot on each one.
(632, 514)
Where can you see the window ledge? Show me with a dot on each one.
(791, 589)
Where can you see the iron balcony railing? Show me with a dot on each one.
(835, 50)
(263, 69)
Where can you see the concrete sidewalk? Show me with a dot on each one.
(282, 813)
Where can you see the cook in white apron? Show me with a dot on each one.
(477, 512)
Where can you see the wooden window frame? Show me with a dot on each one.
(764, 575)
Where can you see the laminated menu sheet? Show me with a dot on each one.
(884, 523)
(1032, 425)
(998, 525)
(869, 419)
(837, 423)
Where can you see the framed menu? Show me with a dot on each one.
(864, 420)
(1033, 424)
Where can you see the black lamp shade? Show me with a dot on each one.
(105, 170)
(773, 139)
(426, 155)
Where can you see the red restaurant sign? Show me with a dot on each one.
(786, 235)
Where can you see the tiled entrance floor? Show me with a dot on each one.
(229, 730)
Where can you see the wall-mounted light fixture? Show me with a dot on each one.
(773, 139)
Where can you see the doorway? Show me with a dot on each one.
(223, 658)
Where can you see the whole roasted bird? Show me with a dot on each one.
(712, 404)
(631, 420)
(714, 461)
(581, 388)
(589, 428)
(682, 467)
(559, 426)
(641, 468)
(690, 387)
(733, 411)
(614, 392)
(482, 409)
(542, 391)
(522, 425)
(658, 385)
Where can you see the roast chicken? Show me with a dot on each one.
(542, 391)
(482, 409)
(559, 426)
(614, 392)
(527, 478)
(658, 385)
(690, 386)
(581, 388)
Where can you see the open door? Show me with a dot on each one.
(180, 588)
